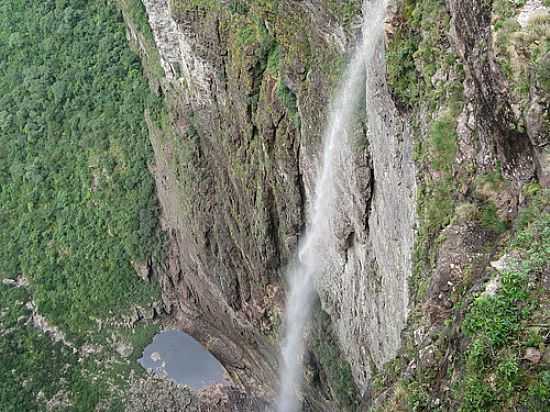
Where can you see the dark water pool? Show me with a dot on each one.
(179, 357)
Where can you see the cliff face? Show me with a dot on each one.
(235, 172)
(247, 86)
(251, 90)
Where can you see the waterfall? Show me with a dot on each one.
(316, 246)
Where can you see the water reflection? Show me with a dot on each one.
(179, 357)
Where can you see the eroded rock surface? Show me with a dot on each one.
(247, 88)
(152, 394)
(235, 202)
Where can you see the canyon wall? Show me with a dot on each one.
(246, 86)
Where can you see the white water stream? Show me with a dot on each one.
(318, 240)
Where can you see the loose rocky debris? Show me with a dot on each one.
(143, 270)
(137, 314)
(41, 323)
(460, 255)
(124, 349)
(492, 287)
(19, 282)
(531, 10)
(35, 318)
(88, 349)
(151, 394)
(59, 402)
(505, 262)
(532, 355)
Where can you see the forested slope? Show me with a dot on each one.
(78, 208)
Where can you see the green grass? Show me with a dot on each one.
(522, 53)
(289, 100)
(491, 373)
(488, 371)
(414, 52)
(181, 7)
(497, 326)
(247, 35)
(238, 7)
(138, 15)
(401, 73)
(490, 219)
(443, 144)
(435, 210)
(274, 61)
(345, 11)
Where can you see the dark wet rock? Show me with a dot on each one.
(485, 90)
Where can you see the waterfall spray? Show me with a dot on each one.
(317, 242)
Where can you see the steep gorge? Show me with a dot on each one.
(240, 245)
(246, 86)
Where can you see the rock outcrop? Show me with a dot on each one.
(152, 394)
(248, 102)
(246, 87)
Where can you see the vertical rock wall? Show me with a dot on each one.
(247, 91)
(366, 292)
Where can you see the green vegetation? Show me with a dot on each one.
(419, 64)
(493, 373)
(138, 15)
(181, 7)
(34, 368)
(29, 360)
(522, 52)
(416, 51)
(253, 45)
(338, 371)
(495, 376)
(289, 100)
(443, 143)
(238, 7)
(435, 196)
(78, 202)
(274, 61)
(401, 73)
(488, 336)
(345, 11)
(490, 220)
(134, 14)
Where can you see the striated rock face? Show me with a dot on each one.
(366, 290)
(230, 175)
(176, 55)
(247, 86)
(485, 89)
(247, 92)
